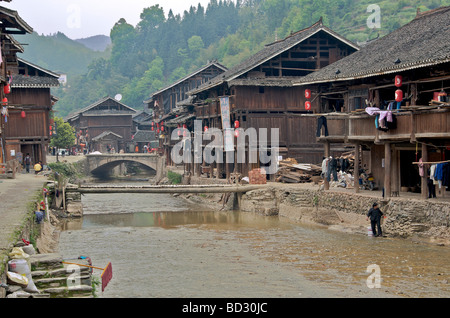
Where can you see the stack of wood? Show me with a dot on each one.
(439, 103)
(292, 172)
(257, 176)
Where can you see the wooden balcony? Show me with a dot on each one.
(411, 125)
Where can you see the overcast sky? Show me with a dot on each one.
(84, 18)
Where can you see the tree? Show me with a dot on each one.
(65, 135)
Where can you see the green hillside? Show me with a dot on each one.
(58, 53)
(165, 47)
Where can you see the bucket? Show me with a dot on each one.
(369, 231)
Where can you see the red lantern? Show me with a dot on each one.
(308, 93)
(162, 128)
(236, 133)
(398, 95)
(398, 81)
(157, 131)
(5, 101)
(153, 128)
(236, 124)
(184, 126)
(206, 128)
(7, 89)
(308, 105)
(22, 114)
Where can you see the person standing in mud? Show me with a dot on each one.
(375, 215)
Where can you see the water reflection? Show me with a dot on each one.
(187, 252)
(172, 220)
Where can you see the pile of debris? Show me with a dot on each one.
(257, 176)
(290, 171)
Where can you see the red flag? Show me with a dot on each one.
(106, 276)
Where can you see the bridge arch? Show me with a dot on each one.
(102, 164)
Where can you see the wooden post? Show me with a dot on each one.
(356, 169)
(387, 170)
(395, 173)
(326, 184)
(424, 185)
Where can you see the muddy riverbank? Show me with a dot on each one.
(339, 209)
(195, 252)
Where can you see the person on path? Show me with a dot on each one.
(38, 167)
(375, 215)
(27, 162)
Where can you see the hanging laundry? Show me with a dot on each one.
(382, 116)
(420, 167)
(446, 174)
(321, 121)
(432, 171)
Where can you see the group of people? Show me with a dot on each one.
(37, 166)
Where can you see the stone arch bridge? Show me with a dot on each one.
(102, 164)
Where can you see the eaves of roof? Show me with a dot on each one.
(423, 42)
(269, 52)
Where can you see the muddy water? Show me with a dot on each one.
(161, 247)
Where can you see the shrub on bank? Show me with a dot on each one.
(67, 170)
(174, 178)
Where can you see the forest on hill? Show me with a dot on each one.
(162, 47)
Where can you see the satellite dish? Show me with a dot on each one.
(118, 97)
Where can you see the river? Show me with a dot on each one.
(160, 246)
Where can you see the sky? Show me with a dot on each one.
(83, 18)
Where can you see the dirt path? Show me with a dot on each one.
(15, 195)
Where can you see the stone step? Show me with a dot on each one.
(69, 292)
(45, 261)
(61, 272)
(24, 294)
(50, 282)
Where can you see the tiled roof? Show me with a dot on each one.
(90, 110)
(21, 81)
(422, 42)
(268, 52)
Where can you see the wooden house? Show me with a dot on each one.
(10, 23)
(172, 105)
(261, 94)
(105, 125)
(29, 108)
(392, 103)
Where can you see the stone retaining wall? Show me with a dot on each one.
(423, 219)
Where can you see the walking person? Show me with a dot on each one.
(375, 215)
(27, 162)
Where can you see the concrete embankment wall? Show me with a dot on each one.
(423, 219)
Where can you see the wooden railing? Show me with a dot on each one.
(410, 126)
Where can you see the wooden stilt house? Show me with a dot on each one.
(393, 105)
(104, 125)
(25, 93)
(261, 94)
(30, 104)
(172, 106)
